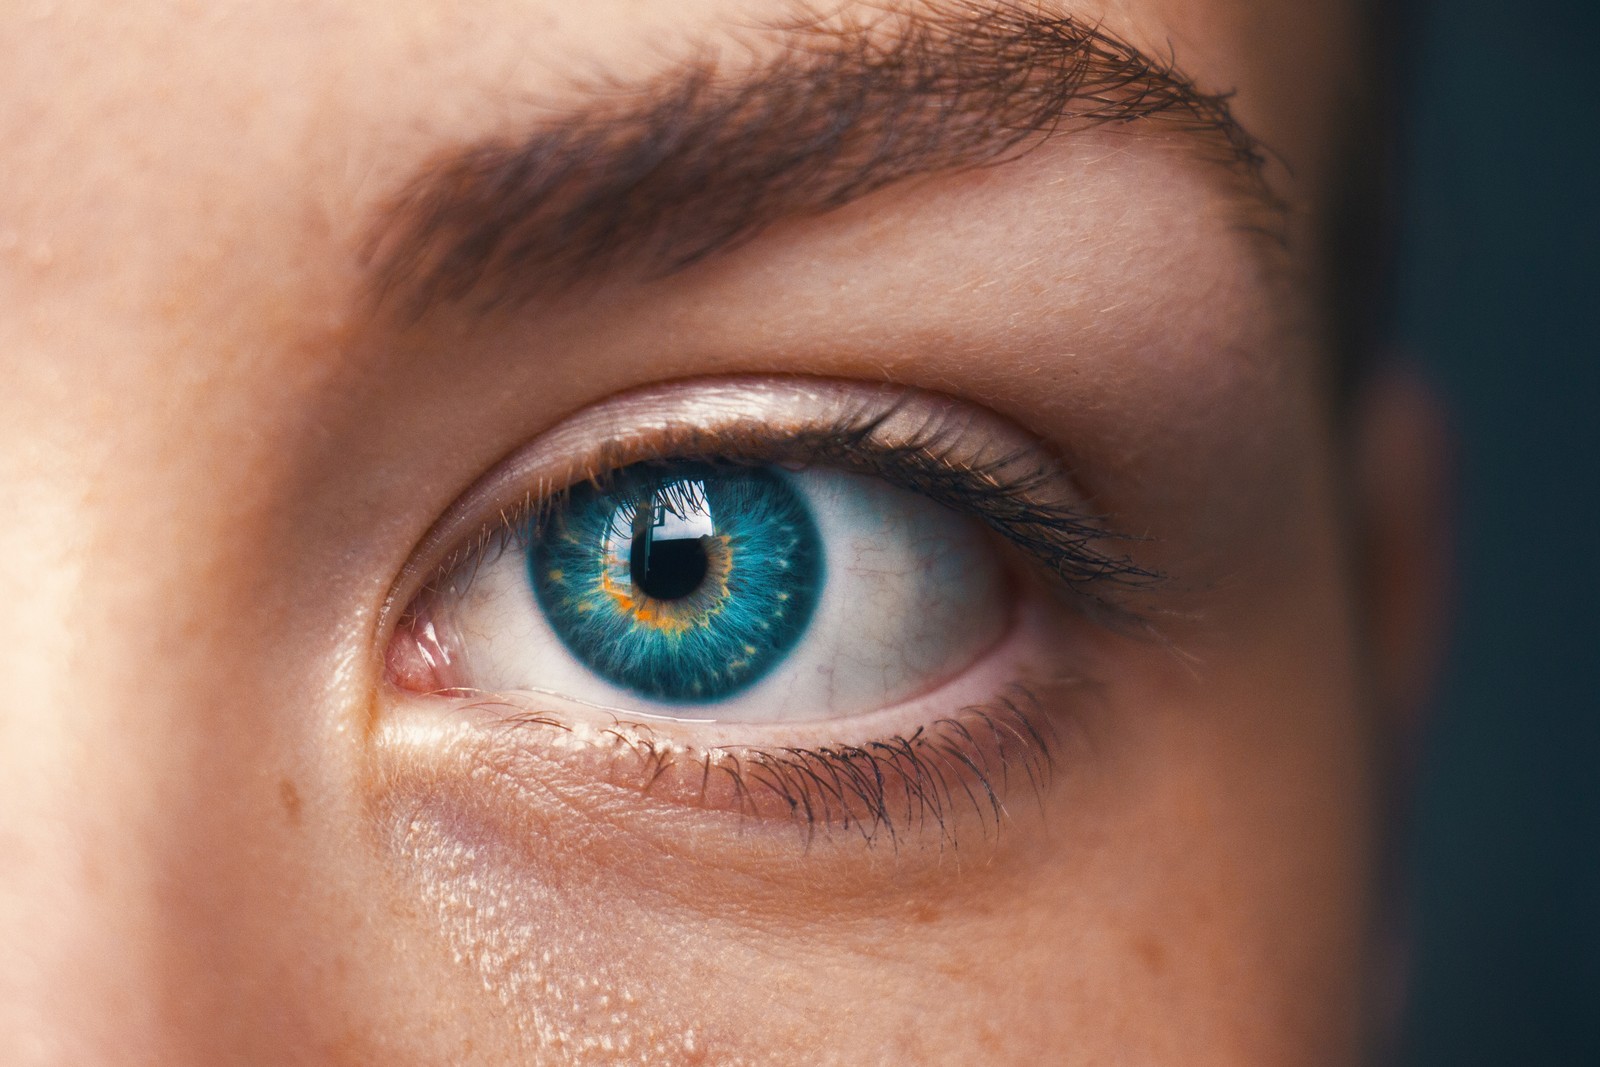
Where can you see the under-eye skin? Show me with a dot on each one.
(790, 601)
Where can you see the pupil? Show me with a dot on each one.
(669, 569)
(667, 559)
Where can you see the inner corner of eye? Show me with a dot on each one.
(703, 590)
(419, 657)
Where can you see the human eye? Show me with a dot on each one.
(795, 601)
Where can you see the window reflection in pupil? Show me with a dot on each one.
(668, 569)
(667, 559)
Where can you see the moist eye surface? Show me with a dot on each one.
(701, 591)
(681, 581)
(792, 599)
(749, 552)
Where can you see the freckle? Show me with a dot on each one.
(290, 796)
(1152, 953)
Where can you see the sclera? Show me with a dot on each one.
(913, 593)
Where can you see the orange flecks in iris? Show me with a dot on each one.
(673, 618)
(645, 611)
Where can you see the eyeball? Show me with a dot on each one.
(727, 592)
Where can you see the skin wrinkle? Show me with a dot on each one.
(706, 160)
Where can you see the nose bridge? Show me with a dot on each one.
(80, 902)
(86, 752)
(140, 819)
(157, 738)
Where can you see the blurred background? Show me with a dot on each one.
(1500, 303)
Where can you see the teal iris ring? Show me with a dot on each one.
(683, 582)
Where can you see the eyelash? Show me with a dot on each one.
(1061, 538)
(880, 790)
(965, 759)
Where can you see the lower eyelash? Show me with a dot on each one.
(957, 773)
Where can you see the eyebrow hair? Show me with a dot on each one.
(696, 161)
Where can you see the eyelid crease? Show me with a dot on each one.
(958, 455)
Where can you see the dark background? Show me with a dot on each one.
(1499, 301)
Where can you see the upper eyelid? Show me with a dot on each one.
(765, 416)
(1061, 533)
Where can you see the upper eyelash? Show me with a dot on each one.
(1002, 490)
(1061, 536)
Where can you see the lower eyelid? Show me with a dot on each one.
(951, 763)
(956, 769)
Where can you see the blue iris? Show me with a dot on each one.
(682, 581)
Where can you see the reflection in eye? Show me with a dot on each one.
(805, 600)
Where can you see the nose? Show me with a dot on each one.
(98, 834)
(80, 895)
(152, 857)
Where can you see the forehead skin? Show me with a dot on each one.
(217, 460)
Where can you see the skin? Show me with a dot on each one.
(218, 459)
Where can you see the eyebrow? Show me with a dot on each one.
(696, 161)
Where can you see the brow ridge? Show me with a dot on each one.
(696, 160)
